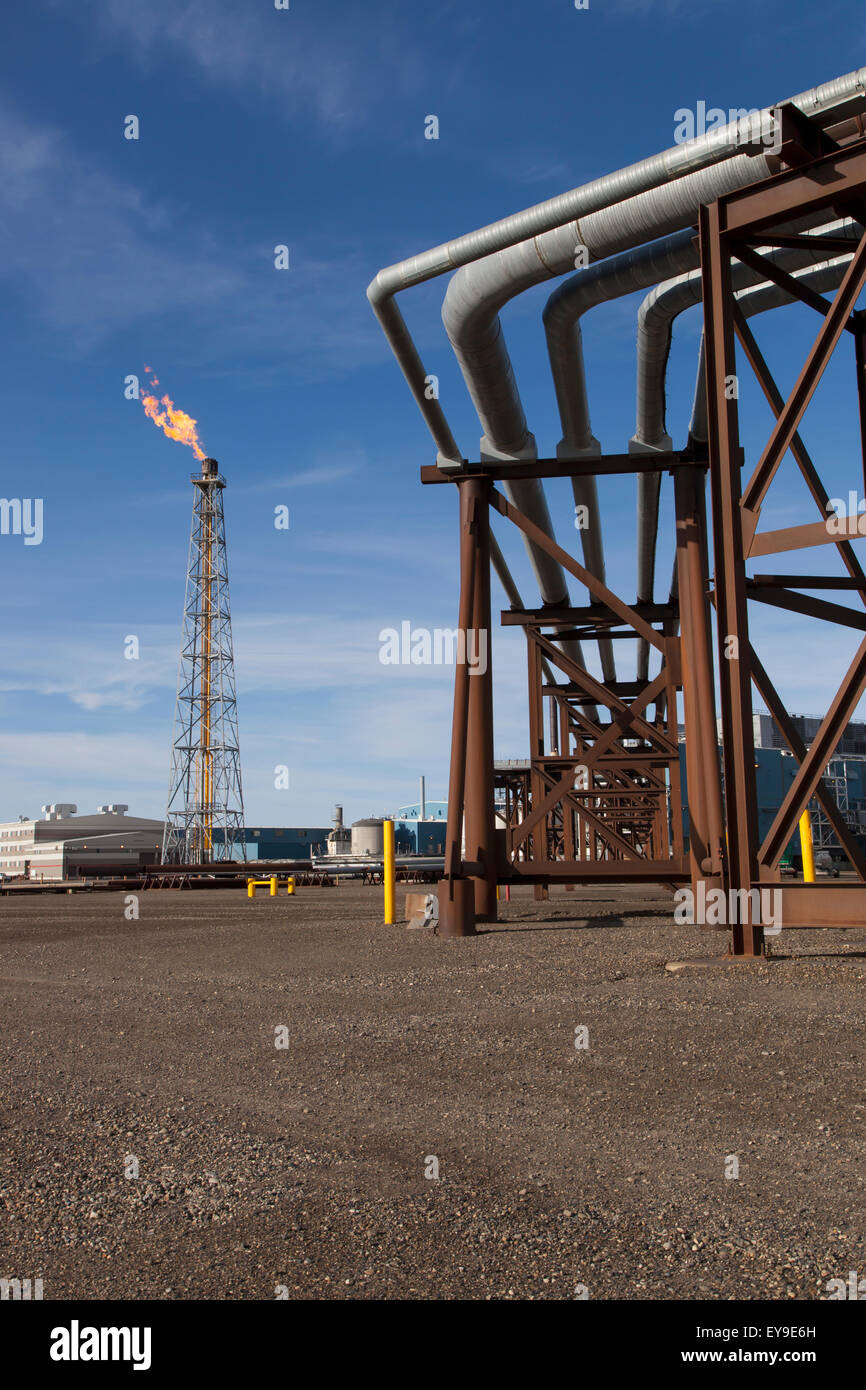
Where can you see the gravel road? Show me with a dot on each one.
(149, 1047)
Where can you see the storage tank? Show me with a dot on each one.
(340, 838)
(368, 837)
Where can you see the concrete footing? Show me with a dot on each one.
(456, 907)
(707, 962)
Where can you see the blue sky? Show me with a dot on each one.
(306, 127)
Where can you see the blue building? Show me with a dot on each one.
(412, 835)
(283, 842)
(776, 769)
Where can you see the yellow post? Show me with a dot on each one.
(273, 887)
(806, 848)
(389, 875)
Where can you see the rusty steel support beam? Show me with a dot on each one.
(860, 366)
(608, 870)
(768, 270)
(826, 183)
(823, 905)
(788, 422)
(600, 591)
(703, 779)
(480, 820)
(801, 455)
(836, 613)
(741, 806)
(604, 464)
(812, 767)
(537, 822)
(732, 227)
(770, 696)
(456, 894)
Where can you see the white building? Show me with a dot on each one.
(65, 845)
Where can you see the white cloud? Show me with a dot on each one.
(93, 254)
(309, 477)
(310, 66)
(88, 666)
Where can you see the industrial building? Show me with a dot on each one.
(64, 844)
(421, 832)
(420, 829)
(775, 771)
(412, 836)
(767, 734)
(274, 842)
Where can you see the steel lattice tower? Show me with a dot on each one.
(205, 813)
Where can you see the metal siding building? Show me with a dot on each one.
(66, 845)
(415, 836)
(282, 842)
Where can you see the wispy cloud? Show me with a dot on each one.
(88, 769)
(308, 477)
(314, 67)
(89, 669)
(94, 255)
(695, 10)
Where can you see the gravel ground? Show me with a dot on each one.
(153, 1043)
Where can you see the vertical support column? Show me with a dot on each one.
(571, 836)
(538, 788)
(672, 804)
(735, 693)
(554, 724)
(456, 894)
(706, 834)
(480, 818)
(568, 813)
(860, 364)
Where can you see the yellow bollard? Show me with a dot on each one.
(806, 848)
(389, 873)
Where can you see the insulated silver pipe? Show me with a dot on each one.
(592, 199)
(479, 290)
(816, 102)
(608, 279)
(753, 297)
(612, 278)
(757, 299)
(672, 297)
(655, 328)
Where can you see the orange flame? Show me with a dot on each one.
(173, 422)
